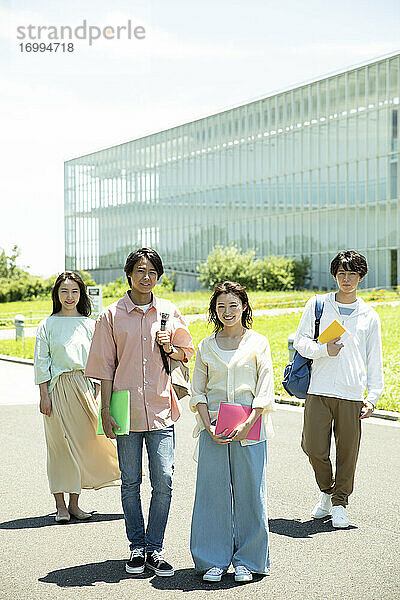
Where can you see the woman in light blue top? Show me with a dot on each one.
(229, 523)
(76, 457)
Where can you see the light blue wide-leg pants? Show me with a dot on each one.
(230, 522)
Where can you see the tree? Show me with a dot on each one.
(8, 264)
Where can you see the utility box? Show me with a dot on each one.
(19, 323)
(291, 350)
(95, 293)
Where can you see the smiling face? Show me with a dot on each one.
(229, 309)
(143, 276)
(69, 294)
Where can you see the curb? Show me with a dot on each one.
(16, 359)
(389, 415)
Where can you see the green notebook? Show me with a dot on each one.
(119, 409)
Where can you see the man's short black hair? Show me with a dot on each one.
(137, 255)
(349, 260)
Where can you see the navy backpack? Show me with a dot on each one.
(297, 374)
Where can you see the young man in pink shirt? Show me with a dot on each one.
(125, 355)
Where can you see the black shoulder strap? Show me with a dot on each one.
(164, 319)
(319, 307)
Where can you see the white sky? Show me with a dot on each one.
(197, 58)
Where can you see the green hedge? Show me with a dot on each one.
(117, 288)
(24, 286)
(268, 274)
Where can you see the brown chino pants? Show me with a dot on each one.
(320, 412)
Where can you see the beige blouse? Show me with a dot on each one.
(246, 378)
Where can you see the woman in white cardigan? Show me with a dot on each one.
(233, 365)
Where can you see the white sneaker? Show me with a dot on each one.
(323, 508)
(339, 517)
(243, 574)
(213, 574)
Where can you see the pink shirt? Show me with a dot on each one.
(124, 351)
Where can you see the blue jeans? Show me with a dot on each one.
(160, 445)
(230, 523)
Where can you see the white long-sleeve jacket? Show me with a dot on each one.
(359, 364)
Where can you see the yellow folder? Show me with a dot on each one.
(334, 330)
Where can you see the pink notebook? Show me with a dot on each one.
(230, 415)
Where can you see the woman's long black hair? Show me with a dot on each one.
(84, 306)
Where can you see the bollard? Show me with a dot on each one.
(291, 350)
(19, 323)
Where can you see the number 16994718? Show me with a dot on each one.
(43, 47)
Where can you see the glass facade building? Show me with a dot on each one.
(304, 172)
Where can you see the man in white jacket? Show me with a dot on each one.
(341, 371)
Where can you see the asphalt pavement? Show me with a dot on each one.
(43, 560)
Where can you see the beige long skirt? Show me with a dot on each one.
(76, 456)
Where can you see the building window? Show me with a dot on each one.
(393, 268)
(395, 130)
(395, 123)
(393, 180)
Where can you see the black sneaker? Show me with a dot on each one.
(155, 561)
(135, 564)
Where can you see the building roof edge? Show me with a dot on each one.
(270, 94)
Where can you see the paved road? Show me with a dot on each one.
(310, 561)
(17, 384)
(9, 334)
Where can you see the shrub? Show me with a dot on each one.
(87, 278)
(167, 284)
(229, 264)
(118, 288)
(275, 273)
(301, 272)
(115, 289)
(24, 288)
(272, 273)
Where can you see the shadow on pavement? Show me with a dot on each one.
(113, 571)
(188, 580)
(302, 529)
(109, 571)
(48, 520)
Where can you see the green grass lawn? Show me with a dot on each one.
(277, 330)
(21, 349)
(189, 303)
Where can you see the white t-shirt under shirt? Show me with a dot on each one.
(144, 307)
(346, 309)
(226, 355)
